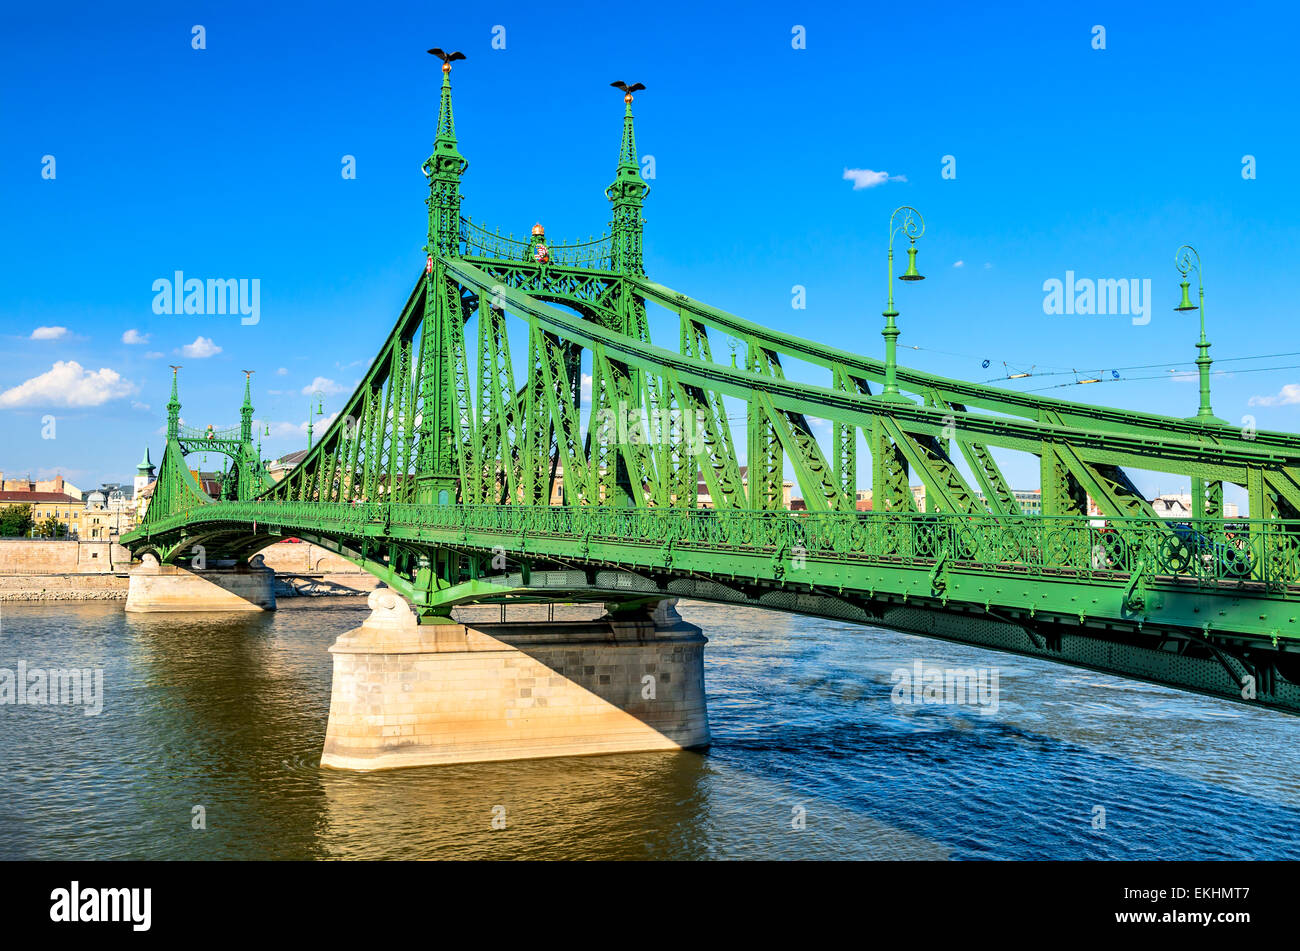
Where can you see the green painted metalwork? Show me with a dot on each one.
(440, 471)
(912, 225)
(1187, 260)
(246, 476)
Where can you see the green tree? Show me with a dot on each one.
(15, 520)
(51, 528)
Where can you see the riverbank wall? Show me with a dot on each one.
(78, 570)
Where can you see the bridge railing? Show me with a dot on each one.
(478, 241)
(1206, 553)
(1210, 551)
(195, 434)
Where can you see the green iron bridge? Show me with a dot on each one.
(458, 476)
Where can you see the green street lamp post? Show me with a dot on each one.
(318, 398)
(1185, 260)
(913, 225)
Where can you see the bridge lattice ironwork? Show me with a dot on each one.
(519, 434)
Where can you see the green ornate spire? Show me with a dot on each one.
(627, 150)
(441, 304)
(174, 410)
(446, 138)
(246, 411)
(626, 194)
(444, 168)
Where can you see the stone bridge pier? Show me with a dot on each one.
(411, 694)
(158, 587)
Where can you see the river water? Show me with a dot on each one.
(810, 759)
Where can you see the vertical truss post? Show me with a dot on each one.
(331, 471)
(1207, 498)
(1062, 493)
(717, 464)
(766, 456)
(353, 451)
(890, 487)
(845, 438)
(537, 437)
(492, 445)
(1263, 508)
(400, 390)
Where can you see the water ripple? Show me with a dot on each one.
(224, 716)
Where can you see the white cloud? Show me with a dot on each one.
(201, 348)
(46, 472)
(162, 430)
(154, 355)
(48, 333)
(134, 336)
(1290, 393)
(136, 404)
(958, 263)
(866, 178)
(586, 386)
(296, 430)
(68, 384)
(324, 384)
(282, 372)
(282, 430)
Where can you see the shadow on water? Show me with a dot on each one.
(810, 759)
(1177, 775)
(679, 805)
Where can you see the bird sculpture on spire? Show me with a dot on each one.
(627, 90)
(447, 58)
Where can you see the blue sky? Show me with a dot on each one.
(225, 163)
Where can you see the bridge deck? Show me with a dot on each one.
(1239, 579)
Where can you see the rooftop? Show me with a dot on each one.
(36, 497)
(289, 459)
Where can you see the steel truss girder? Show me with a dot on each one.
(1091, 602)
(1211, 461)
(719, 468)
(332, 441)
(577, 287)
(929, 459)
(1167, 647)
(1225, 439)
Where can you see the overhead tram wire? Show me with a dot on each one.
(971, 356)
(1094, 375)
(1056, 370)
(734, 418)
(1101, 374)
(1153, 366)
(1161, 376)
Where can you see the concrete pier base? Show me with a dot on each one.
(155, 587)
(406, 694)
